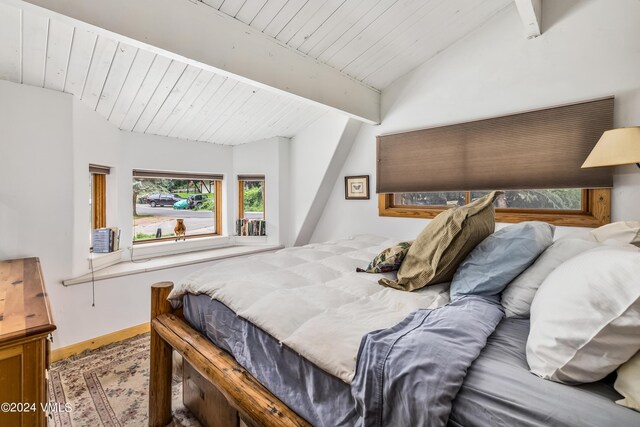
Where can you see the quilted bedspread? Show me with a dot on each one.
(311, 299)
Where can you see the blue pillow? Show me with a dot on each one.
(500, 258)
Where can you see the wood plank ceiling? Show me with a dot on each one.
(373, 41)
(140, 91)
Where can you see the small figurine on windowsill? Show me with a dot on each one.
(180, 230)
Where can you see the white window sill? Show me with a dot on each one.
(127, 268)
(100, 261)
(250, 240)
(172, 247)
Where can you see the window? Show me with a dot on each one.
(571, 207)
(98, 196)
(537, 149)
(160, 199)
(251, 197)
(566, 199)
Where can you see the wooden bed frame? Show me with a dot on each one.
(243, 396)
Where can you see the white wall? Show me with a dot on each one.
(36, 195)
(264, 158)
(310, 154)
(48, 140)
(589, 49)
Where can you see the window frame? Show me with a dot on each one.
(217, 184)
(241, 197)
(595, 212)
(98, 200)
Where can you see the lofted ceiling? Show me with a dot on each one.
(141, 91)
(163, 90)
(373, 41)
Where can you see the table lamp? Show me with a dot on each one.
(616, 147)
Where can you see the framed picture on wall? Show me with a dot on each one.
(356, 187)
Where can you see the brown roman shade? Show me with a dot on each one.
(533, 150)
(177, 175)
(250, 177)
(100, 170)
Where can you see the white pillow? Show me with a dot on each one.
(628, 383)
(620, 232)
(585, 318)
(518, 295)
(623, 232)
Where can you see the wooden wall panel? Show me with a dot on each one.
(99, 198)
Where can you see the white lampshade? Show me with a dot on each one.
(616, 147)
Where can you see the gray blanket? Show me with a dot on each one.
(408, 375)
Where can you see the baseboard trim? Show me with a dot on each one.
(92, 344)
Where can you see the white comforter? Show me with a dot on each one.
(311, 299)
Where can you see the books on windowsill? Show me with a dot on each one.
(105, 240)
(251, 227)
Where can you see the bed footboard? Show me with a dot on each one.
(254, 403)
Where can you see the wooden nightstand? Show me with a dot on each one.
(25, 324)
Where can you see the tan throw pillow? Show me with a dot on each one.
(628, 383)
(444, 243)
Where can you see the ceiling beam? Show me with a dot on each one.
(196, 33)
(531, 14)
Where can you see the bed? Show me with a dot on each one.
(266, 372)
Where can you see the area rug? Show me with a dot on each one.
(109, 386)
